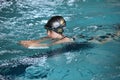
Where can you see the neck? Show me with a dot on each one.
(59, 36)
(54, 35)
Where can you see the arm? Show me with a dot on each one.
(28, 43)
(36, 45)
(65, 40)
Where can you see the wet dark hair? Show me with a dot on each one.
(56, 23)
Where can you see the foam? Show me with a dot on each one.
(39, 61)
(10, 51)
(70, 57)
(2, 77)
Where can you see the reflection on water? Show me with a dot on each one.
(24, 20)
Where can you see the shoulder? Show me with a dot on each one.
(66, 39)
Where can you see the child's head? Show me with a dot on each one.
(56, 24)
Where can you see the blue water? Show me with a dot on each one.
(24, 20)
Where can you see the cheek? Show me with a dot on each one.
(51, 35)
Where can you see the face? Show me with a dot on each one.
(52, 34)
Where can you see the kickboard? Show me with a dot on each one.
(38, 47)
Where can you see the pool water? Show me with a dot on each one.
(25, 20)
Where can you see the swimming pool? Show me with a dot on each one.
(24, 20)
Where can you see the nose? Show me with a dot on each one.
(48, 33)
